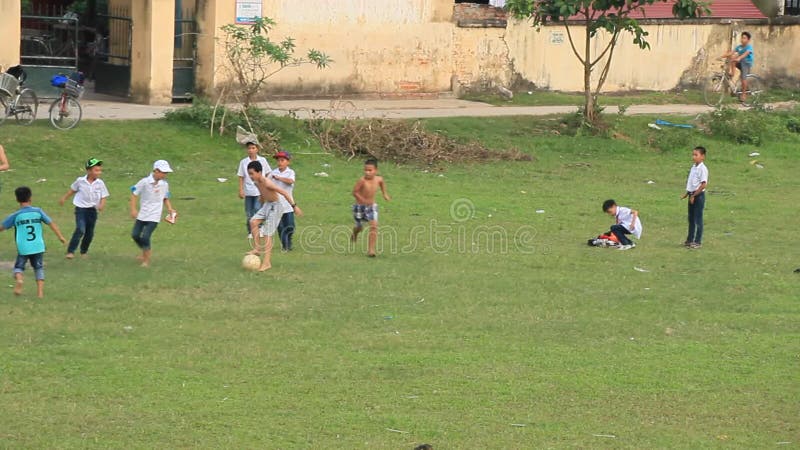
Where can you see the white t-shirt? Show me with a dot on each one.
(250, 188)
(88, 195)
(151, 198)
(624, 218)
(697, 175)
(288, 173)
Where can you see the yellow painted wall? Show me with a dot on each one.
(678, 53)
(11, 28)
(153, 46)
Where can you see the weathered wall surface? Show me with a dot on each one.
(678, 54)
(10, 25)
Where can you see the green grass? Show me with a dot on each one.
(451, 342)
(555, 98)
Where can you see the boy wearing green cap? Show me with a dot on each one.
(90, 198)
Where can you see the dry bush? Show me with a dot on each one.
(402, 142)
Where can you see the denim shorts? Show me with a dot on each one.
(37, 262)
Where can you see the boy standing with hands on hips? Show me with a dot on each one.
(696, 186)
(153, 194)
(90, 198)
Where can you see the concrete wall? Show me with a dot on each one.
(679, 54)
(10, 25)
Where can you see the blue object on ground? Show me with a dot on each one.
(664, 123)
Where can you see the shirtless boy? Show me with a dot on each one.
(365, 208)
(266, 220)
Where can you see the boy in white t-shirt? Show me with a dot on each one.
(90, 198)
(284, 177)
(153, 194)
(626, 222)
(696, 186)
(247, 190)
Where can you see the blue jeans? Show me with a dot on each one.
(37, 262)
(141, 233)
(286, 230)
(251, 206)
(620, 232)
(85, 220)
(696, 219)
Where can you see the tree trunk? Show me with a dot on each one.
(588, 105)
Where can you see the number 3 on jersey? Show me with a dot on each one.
(31, 233)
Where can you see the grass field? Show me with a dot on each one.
(685, 96)
(483, 324)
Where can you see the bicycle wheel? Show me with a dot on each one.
(4, 100)
(66, 115)
(26, 106)
(714, 89)
(754, 90)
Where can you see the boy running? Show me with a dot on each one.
(266, 220)
(90, 198)
(696, 186)
(365, 208)
(27, 222)
(153, 194)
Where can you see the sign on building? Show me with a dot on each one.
(556, 37)
(247, 11)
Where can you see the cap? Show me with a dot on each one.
(283, 154)
(93, 162)
(162, 166)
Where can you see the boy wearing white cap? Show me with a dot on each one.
(153, 194)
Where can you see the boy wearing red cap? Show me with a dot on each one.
(284, 177)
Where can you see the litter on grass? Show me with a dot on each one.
(396, 431)
(41, 180)
(664, 123)
(754, 154)
(222, 180)
(651, 182)
(639, 269)
(605, 436)
(539, 211)
(653, 126)
(520, 425)
(759, 166)
(321, 174)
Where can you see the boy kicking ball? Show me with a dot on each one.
(265, 222)
(27, 222)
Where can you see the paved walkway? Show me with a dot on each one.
(107, 108)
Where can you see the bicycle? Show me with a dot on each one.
(720, 83)
(16, 99)
(66, 111)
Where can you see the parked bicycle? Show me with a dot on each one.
(66, 110)
(16, 99)
(720, 84)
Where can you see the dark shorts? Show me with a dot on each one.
(364, 213)
(744, 68)
(37, 263)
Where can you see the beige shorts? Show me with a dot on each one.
(271, 214)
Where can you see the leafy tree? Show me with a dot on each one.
(594, 16)
(252, 58)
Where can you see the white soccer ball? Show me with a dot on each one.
(251, 262)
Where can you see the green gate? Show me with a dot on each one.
(112, 64)
(183, 61)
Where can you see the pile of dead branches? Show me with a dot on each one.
(402, 142)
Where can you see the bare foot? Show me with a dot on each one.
(264, 268)
(371, 255)
(70, 255)
(145, 264)
(18, 287)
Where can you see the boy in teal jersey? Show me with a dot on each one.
(27, 222)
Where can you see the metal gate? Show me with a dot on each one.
(184, 59)
(113, 50)
(792, 8)
(48, 46)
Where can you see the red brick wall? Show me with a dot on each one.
(476, 12)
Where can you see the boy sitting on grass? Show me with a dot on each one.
(27, 222)
(627, 222)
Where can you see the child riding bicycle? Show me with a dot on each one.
(741, 57)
